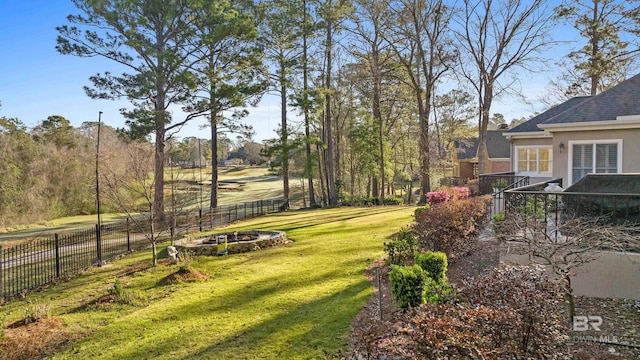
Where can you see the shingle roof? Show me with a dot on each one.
(532, 124)
(466, 148)
(622, 99)
(498, 146)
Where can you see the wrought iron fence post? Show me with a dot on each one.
(128, 236)
(200, 219)
(57, 243)
(98, 245)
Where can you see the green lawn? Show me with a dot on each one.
(254, 182)
(295, 301)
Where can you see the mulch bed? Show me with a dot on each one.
(621, 318)
(184, 274)
(36, 340)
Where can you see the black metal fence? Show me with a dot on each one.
(554, 208)
(36, 263)
(496, 184)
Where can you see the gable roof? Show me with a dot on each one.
(498, 146)
(466, 148)
(622, 99)
(531, 125)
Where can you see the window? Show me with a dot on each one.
(602, 157)
(535, 160)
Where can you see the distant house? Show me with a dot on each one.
(465, 156)
(599, 134)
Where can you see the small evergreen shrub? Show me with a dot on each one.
(392, 201)
(408, 285)
(36, 312)
(124, 296)
(400, 250)
(532, 206)
(500, 183)
(435, 264)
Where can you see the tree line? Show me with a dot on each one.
(48, 171)
(380, 89)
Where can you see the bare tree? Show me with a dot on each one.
(567, 244)
(418, 34)
(370, 47)
(135, 187)
(497, 38)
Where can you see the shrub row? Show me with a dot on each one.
(514, 313)
(448, 193)
(451, 227)
(371, 201)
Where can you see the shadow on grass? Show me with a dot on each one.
(312, 329)
(313, 218)
(301, 313)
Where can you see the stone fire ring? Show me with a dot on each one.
(237, 242)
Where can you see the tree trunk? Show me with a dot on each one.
(425, 181)
(284, 138)
(568, 296)
(158, 176)
(213, 203)
(154, 250)
(331, 183)
(378, 116)
(594, 52)
(307, 122)
(321, 176)
(482, 128)
(375, 189)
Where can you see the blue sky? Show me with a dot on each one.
(36, 81)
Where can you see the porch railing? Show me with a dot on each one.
(554, 208)
(496, 184)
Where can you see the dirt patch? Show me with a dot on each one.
(131, 269)
(36, 340)
(621, 318)
(184, 275)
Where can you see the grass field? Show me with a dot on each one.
(253, 183)
(291, 302)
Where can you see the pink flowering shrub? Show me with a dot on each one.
(448, 194)
(458, 192)
(437, 197)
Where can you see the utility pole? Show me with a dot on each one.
(99, 227)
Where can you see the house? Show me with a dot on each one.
(589, 134)
(465, 156)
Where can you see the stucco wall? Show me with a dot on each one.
(630, 149)
(611, 275)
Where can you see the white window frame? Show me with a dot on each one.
(593, 166)
(537, 173)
